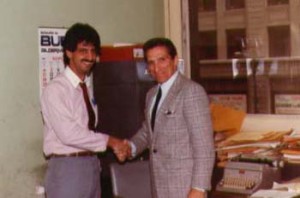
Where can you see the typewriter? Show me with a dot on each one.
(248, 177)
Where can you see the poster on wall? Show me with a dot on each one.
(237, 101)
(287, 103)
(50, 54)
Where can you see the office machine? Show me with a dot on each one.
(246, 177)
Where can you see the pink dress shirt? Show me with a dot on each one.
(66, 118)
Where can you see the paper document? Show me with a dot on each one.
(258, 144)
(274, 194)
(291, 187)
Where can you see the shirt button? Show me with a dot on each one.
(154, 151)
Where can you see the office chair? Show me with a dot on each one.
(131, 180)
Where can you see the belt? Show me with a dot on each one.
(78, 154)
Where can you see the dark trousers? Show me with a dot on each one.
(73, 177)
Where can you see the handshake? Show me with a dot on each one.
(121, 148)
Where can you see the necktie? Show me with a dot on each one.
(154, 109)
(90, 110)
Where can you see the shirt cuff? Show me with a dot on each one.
(133, 149)
(199, 189)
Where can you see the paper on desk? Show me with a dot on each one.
(254, 137)
(259, 136)
(291, 156)
(257, 144)
(274, 194)
(290, 186)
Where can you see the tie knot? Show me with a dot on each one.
(82, 84)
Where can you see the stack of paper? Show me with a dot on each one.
(291, 152)
(238, 135)
(262, 144)
(226, 121)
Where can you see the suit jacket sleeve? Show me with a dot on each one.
(141, 139)
(196, 113)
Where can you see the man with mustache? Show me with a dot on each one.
(69, 113)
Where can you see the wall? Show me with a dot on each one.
(21, 159)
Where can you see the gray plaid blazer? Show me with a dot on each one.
(181, 145)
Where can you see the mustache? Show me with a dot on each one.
(87, 60)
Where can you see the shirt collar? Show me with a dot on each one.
(74, 79)
(167, 85)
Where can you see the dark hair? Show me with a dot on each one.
(155, 42)
(78, 33)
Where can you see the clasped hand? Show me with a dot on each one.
(121, 148)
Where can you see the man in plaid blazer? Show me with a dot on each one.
(181, 140)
